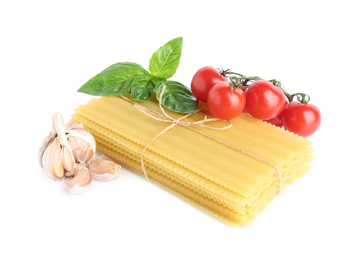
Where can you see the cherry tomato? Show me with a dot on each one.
(203, 80)
(264, 100)
(223, 104)
(277, 121)
(301, 118)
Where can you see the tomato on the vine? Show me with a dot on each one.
(204, 79)
(264, 100)
(225, 104)
(301, 118)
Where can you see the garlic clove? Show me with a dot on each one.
(72, 172)
(52, 161)
(78, 131)
(81, 182)
(103, 170)
(82, 149)
(45, 143)
(68, 159)
(84, 156)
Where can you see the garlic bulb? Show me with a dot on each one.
(64, 147)
(68, 152)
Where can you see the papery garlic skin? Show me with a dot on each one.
(45, 143)
(82, 143)
(76, 189)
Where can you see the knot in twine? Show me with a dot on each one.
(174, 122)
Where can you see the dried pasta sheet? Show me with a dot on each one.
(231, 174)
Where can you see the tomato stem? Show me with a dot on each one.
(242, 82)
(301, 97)
(280, 86)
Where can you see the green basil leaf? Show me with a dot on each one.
(117, 79)
(165, 60)
(142, 88)
(177, 97)
(158, 84)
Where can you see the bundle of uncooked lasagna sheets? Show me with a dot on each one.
(231, 174)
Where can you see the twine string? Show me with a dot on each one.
(202, 123)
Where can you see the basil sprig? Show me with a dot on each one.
(125, 78)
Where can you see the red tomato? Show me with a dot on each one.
(301, 118)
(277, 121)
(203, 80)
(264, 100)
(223, 104)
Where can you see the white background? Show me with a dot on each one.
(50, 48)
